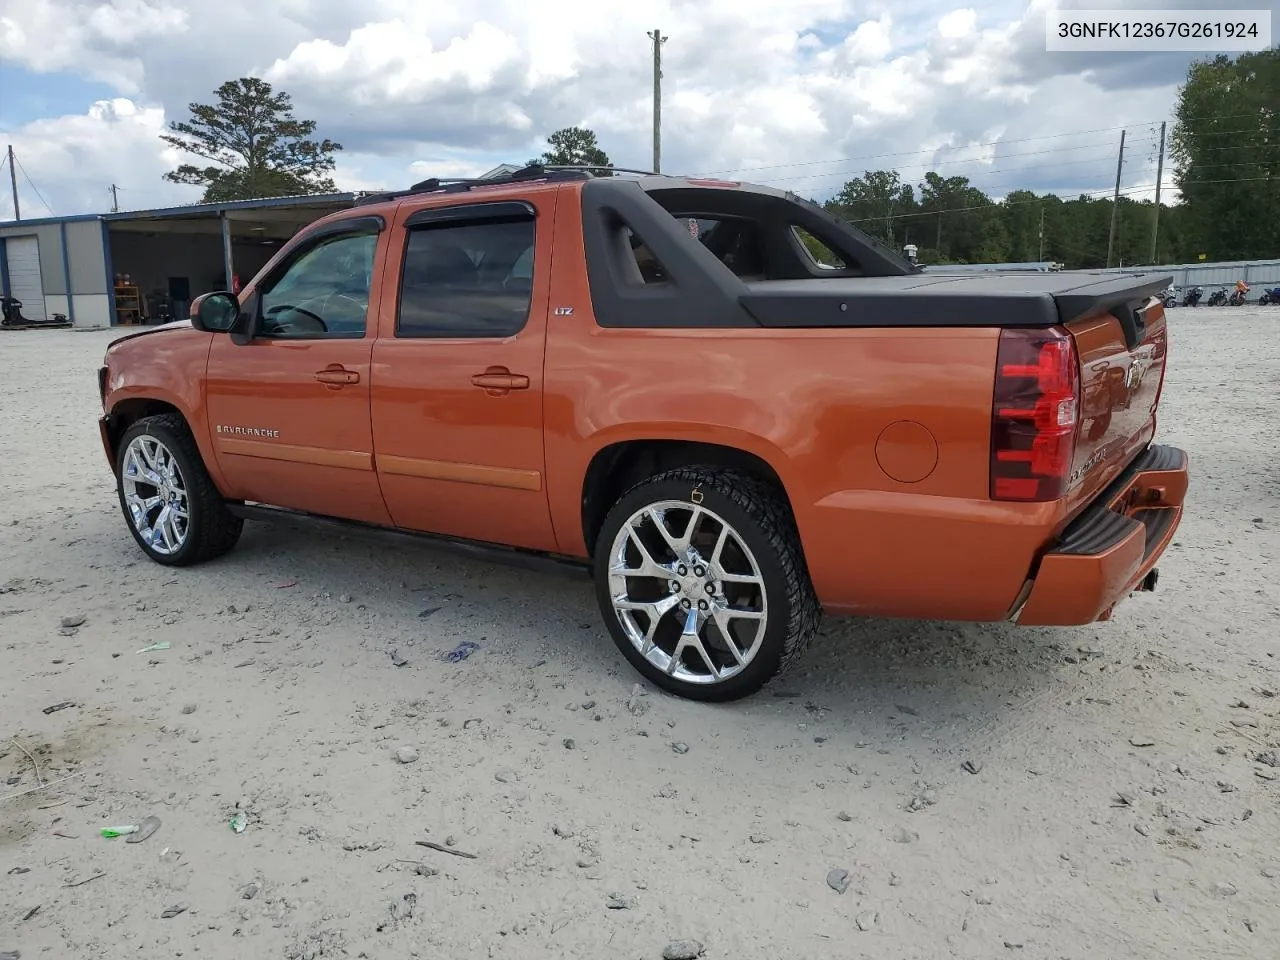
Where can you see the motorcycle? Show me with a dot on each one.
(11, 317)
(1170, 296)
(1193, 296)
(1239, 295)
(1218, 298)
(1270, 296)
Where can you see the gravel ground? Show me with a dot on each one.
(1124, 804)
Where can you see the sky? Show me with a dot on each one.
(799, 94)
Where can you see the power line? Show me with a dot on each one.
(52, 212)
(1039, 168)
(933, 168)
(994, 143)
(911, 153)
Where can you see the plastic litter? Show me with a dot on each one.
(461, 652)
(162, 645)
(239, 822)
(112, 832)
(145, 830)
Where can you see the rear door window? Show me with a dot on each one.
(467, 280)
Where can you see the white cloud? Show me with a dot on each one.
(95, 39)
(958, 23)
(72, 161)
(453, 87)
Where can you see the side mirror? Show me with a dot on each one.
(215, 312)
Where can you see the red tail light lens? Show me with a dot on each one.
(1034, 415)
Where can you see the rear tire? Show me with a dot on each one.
(702, 582)
(170, 504)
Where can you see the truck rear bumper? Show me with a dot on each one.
(1111, 549)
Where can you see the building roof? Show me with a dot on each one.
(189, 211)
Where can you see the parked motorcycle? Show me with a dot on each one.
(1218, 298)
(1270, 296)
(1170, 296)
(11, 317)
(1193, 296)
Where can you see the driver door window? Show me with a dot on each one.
(324, 293)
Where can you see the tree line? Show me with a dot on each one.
(1224, 155)
(952, 221)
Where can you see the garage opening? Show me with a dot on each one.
(161, 260)
(22, 261)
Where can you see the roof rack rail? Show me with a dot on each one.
(588, 168)
(534, 171)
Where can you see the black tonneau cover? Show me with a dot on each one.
(956, 300)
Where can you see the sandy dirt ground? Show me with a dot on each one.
(1124, 804)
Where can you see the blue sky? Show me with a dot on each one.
(799, 93)
(29, 95)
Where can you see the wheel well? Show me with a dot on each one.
(128, 412)
(617, 468)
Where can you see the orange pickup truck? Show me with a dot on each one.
(738, 410)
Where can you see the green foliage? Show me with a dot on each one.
(1226, 160)
(573, 147)
(822, 254)
(875, 199)
(253, 145)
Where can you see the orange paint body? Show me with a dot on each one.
(880, 436)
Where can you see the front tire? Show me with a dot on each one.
(702, 582)
(170, 504)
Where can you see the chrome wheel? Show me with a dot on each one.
(688, 592)
(155, 494)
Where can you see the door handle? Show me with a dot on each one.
(499, 380)
(337, 375)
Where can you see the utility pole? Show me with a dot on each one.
(1042, 233)
(1155, 222)
(658, 40)
(938, 246)
(115, 200)
(1115, 202)
(13, 183)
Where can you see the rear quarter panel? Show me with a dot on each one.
(881, 438)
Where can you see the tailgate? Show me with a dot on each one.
(1122, 365)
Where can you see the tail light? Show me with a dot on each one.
(1034, 415)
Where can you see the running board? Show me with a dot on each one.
(494, 553)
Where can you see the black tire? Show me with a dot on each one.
(212, 529)
(763, 522)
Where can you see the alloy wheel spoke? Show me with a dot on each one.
(677, 618)
(139, 502)
(151, 482)
(654, 611)
(722, 619)
(649, 567)
(721, 540)
(678, 545)
(688, 638)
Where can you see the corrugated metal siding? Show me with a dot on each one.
(1225, 273)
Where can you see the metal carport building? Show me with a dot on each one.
(87, 266)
